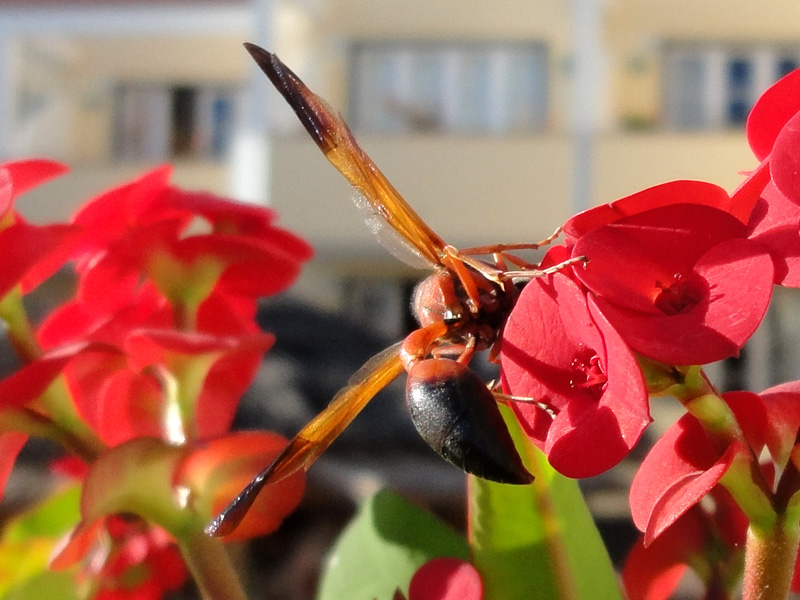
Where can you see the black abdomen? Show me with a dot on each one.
(458, 417)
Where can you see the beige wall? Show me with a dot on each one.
(471, 190)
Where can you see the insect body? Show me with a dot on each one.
(461, 309)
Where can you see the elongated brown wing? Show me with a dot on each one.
(335, 139)
(317, 435)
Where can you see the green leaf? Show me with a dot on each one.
(537, 541)
(52, 518)
(384, 545)
(44, 586)
(29, 539)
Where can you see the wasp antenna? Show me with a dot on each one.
(313, 111)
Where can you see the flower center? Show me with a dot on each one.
(589, 375)
(677, 297)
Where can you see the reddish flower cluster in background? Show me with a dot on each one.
(140, 373)
(677, 275)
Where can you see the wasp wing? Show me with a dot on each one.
(336, 141)
(317, 435)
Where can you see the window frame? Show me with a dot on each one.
(453, 51)
(714, 100)
(206, 139)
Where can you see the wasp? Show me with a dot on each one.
(461, 309)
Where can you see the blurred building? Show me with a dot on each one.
(495, 120)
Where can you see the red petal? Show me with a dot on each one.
(744, 199)
(785, 160)
(665, 194)
(28, 383)
(751, 414)
(131, 405)
(113, 274)
(539, 346)
(223, 388)
(249, 267)
(239, 218)
(18, 177)
(31, 253)
(682, 467)
(614, 423)
(782, 405)
(771, 112)
(221, 468)
(79, 320)
(223, 314)
(76, 545)
(775, 224)
(66, 323)
(653, 572)
(112, 214)
(10, 445)
(87, 375)
(150, 346)
(446, 579)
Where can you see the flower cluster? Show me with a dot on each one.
(674, 277)
(140, 372)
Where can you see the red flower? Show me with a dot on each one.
(125, 559)
(680, 282)
(143, 563)
(445, 579)
(708, 538)
(141, 228)
(125, 392)
(688, 461)
(559, 350)
(144, 276)
(218, 470)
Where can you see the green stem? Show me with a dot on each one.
(18, 327)
(744, 479)
(38, 425)
(64, 423)
(211, 567)
(57, 401)
(769, 561)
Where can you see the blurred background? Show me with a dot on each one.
(497, 121)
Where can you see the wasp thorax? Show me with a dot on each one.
(436, 299)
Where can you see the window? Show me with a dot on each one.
(160, 121)
(454, 87)
(714, 86)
